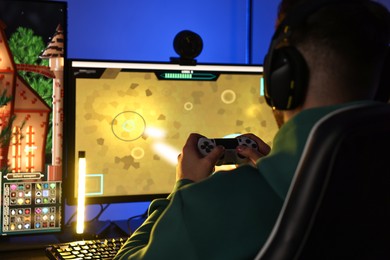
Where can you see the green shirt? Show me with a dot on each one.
(230, 214)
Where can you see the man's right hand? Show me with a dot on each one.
(254, 154)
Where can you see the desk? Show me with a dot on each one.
(33, 247)
(26, 247)
(34, 254)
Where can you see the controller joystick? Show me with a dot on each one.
(206, 145)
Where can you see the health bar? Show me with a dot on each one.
(188, 76)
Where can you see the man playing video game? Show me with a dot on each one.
(229, 214)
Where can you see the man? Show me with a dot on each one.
(228, 215)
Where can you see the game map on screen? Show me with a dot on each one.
(132, 125)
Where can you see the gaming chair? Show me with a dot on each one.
(338, 205)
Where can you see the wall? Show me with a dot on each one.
(144, 30)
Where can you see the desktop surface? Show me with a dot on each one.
(30, 254)
(34, 247)
(27, 247)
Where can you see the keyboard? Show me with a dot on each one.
(86, 249)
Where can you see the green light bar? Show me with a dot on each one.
(188, 76)
(177, 75)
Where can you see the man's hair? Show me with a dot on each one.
(347, 40)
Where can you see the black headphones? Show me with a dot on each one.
(286, 73)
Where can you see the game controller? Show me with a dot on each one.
(230, 156)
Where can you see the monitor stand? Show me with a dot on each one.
(95, 229)
(92, 230)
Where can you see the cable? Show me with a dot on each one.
(102, 209)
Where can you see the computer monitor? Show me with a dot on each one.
(31, 61)
(131, 120)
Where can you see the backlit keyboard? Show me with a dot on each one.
(86, 249)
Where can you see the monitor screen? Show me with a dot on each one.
(31, 80)
(131, 120)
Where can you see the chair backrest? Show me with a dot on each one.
(338, 205)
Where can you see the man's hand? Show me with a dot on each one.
(192, 165)
(252, 154)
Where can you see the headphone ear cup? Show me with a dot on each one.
(286, 77)
(383, 92)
